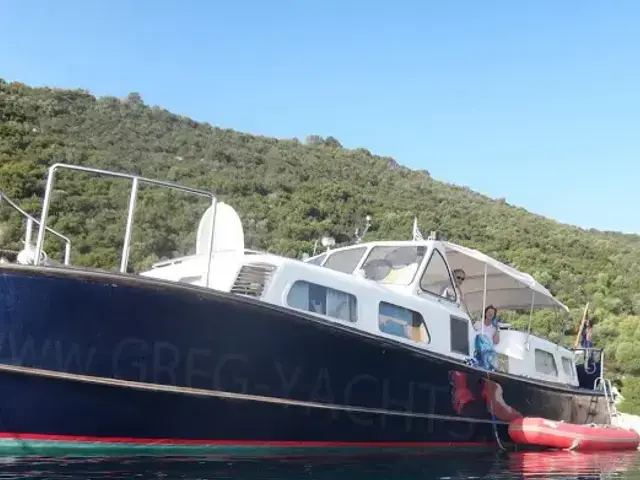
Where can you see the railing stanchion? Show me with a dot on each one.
(126, 248)
(43, 216)
(67, 253)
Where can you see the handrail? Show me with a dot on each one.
(135, 180)
(588, 352)
(607, 389)
(613, 410)
(30, 221)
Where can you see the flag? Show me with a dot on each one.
(417, 236)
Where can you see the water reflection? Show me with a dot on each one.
(442, 466)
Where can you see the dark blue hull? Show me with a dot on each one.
(122, 360)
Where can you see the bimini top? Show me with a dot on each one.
(507, 288)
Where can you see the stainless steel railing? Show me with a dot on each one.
(29, 227)
(135, 181)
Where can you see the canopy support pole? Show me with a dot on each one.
(557, 322)
(484, 296)
(533, 302)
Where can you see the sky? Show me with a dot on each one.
(536, 101)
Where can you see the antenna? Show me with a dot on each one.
(359, 236)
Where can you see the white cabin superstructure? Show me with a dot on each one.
(402, 290)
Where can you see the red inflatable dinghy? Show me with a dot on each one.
(547, 433)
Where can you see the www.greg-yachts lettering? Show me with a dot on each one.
(162, 362)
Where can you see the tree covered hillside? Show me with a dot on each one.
(288, 194)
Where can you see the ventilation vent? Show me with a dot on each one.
(252, 279)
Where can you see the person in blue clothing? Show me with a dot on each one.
(489, 326)
(488, 335)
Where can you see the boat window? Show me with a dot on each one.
(402, 322)
(459, 335)
(436, 278)
(567, 366)
(317, 260)
(545, 363)
(345, 260)
(395, 265)
(323, 300)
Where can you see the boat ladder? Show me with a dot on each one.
(604, 384)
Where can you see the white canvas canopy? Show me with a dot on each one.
(507, 288)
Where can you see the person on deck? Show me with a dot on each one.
(487, 336)
(459, 276)
(489, 325)
(587, 342)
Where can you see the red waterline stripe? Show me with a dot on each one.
(239, 443)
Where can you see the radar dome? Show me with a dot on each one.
(228, 235)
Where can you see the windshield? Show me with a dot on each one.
(394, 265)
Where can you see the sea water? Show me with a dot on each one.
(443, 465)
